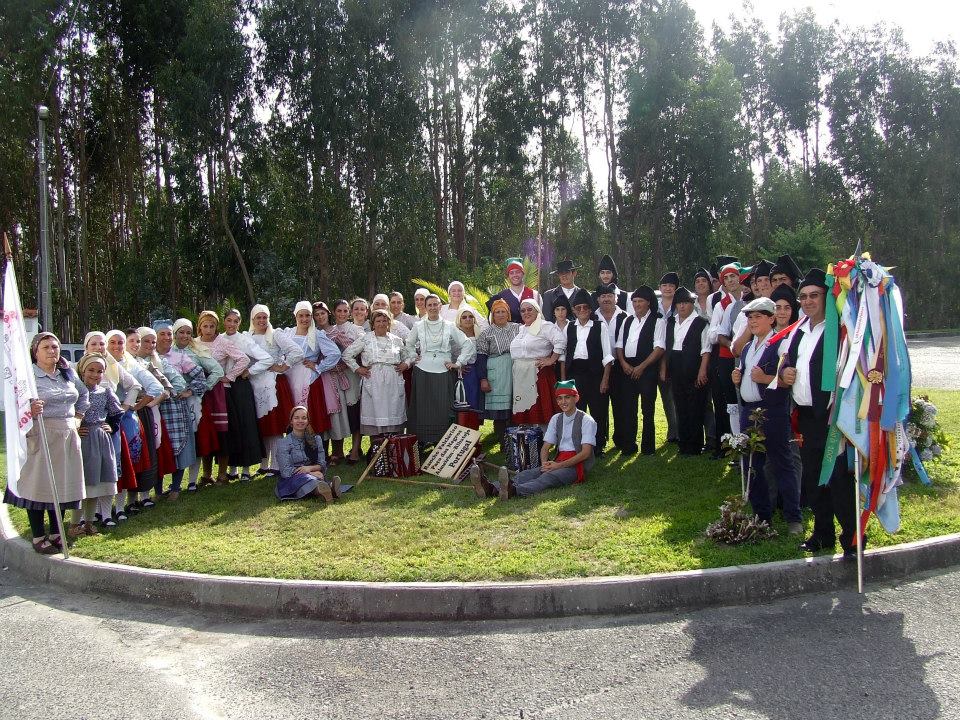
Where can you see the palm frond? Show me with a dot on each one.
(432, 287)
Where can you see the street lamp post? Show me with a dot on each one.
(46, 309)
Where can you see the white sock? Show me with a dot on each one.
(105, 506)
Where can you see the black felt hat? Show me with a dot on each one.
(784, 292)
(762, 269)
(670, 278)
(722, 260)
(816, 277)
(607, 263)
(562, 301)
(788, 267)
(605, 289)
(563, 266)
(704, 273)
(682, 295)
(646, 292)
(581, 297)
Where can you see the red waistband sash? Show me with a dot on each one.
(566, 455)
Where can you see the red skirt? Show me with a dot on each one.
(208, 439)
(317, 408)
(143, 464)
(128, 474)
(166, 462)
(277, 420)
(546, 405)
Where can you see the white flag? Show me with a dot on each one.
(19, 384)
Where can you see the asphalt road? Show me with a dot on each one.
(892, 653)
(935, 362)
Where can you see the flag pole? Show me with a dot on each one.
(8, 253)
(856, 492)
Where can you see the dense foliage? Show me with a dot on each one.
(280, 149)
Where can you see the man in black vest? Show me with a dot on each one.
(801, 371)
(640, 346)
(567, 274)
(668, 286)
(685, 367)
(588, 362)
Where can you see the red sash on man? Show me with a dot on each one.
(725, 301)
(566, 455)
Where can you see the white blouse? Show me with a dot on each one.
(534, 347)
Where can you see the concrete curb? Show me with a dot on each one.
(366, 601)
(921, 335)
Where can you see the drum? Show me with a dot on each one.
(404, 455)
(521, 447)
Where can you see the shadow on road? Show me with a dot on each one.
(814, 658)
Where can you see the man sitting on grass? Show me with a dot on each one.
(572, 431)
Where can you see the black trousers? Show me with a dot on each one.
(834, 500)
(591, 400)
(723, 392)
(642, 392)
(618, 388)
(689, 401)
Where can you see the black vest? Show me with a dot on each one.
(687, 360)
(644, 342)
(821, 398)
(594, 346)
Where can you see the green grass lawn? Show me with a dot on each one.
(633, 516)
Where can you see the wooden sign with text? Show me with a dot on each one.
(452, 452)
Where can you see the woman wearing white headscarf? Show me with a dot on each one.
(536, 348)
(457, 301)
(347, 420)
(271, 390)
(320, 354)
(433, 340)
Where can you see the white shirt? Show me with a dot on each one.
(588, 432)
(704, 310)
(534, 347)
(611, 325)
(629, 344)
(580, 352)
(802, 391)
(569, 291)
(749, 390)
(680, 334)
(717, 316)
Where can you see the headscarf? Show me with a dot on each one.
(196, 347)
(499, 303)
(534, 327)
(385, 313)
(312, 330)
(88, 359)
(154, 357)
(467, 309)
(113, 365)
(164, 324)
(91, 335)
(462, 288)
(208, 314)
(63, 367)
(256, 310)
(380, 296)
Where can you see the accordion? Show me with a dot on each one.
(400, 459)
(521, 447)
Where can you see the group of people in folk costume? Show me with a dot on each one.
(169, 399)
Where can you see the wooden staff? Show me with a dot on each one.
(376, 456)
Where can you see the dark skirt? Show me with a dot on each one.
(430, 413)
(277, 420)
(148, 465)
(10, 499)
(244, 445)
(546, 405)
(295, 486)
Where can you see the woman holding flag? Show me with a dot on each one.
(61, 398)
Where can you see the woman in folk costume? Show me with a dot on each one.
(382, 302)
(494, 366)
(335, 386)
(517, 291)
(466, 322)
(347, 384)
(360, 313)
(431, 400)
(147, 464)
(385, 357)
(319, 355)
(166, 463)
(457, 301)
(127, 443)
(535, 351)
(234, 362)
(245, 447)
(271, 390)
(61, 397)
(187, 383)
(213, 405)
(301, 462)
(100, 421)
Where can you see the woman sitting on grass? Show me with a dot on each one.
(302, 463)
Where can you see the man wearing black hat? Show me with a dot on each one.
(566, 274)
(801, 371)
(685, 367)
(612, 317)
(607, 275)
(589, 361)
(640, 346)
(785, 271)
(668, 286)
